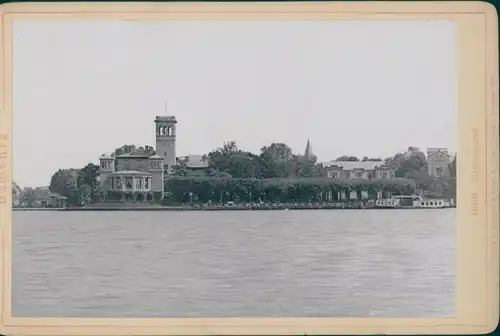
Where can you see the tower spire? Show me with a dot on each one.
(308, 152)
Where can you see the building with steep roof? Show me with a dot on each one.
(358, 170)
(194, 163)
(438, 161)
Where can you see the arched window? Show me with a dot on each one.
(169, 130)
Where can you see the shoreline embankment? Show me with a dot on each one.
(258, 207)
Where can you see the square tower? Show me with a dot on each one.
(165, 141)
(106, 167)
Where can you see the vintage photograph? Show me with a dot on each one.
(234, 168)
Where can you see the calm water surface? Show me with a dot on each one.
(222, 264)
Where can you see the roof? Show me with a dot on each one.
(106, 157)
(156, 156)
(56, 195)
(130, 172)
(136, 154)
(434, 151)
(42, 188)
(353, 165)
(166, 118)
(44, 193)
(195, 161)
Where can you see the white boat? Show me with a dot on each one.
(411, 202)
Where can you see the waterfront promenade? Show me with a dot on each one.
(205, 207)
(213, 207)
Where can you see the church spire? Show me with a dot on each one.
(308, 152)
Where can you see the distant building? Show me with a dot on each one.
(141, 171)
(132, 172)
(44, 198)
(358, 170)
(438, 160)
(194, 163)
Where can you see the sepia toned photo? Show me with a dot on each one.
(212, 168)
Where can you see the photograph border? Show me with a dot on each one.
(477, 249)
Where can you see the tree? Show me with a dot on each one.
(15, 187)
(65, 182)
(85, 194)
(28, 196)
(276, 160)
(411, 161)
(347, 158)
(231, 160)
(89, 176)
(306, 167)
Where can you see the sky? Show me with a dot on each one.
(362, 88)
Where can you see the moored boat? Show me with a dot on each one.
(411, 202)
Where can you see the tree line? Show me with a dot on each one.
(274, 173)
(302, 189)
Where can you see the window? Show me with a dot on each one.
(118, 183)
(146, 183)
(103, 164)
(359, 174)
(439, 171)
(128, 183)
(138, 183)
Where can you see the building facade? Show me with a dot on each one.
(42, 197)
(143, 171)
(438, 161)
(346, 170)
